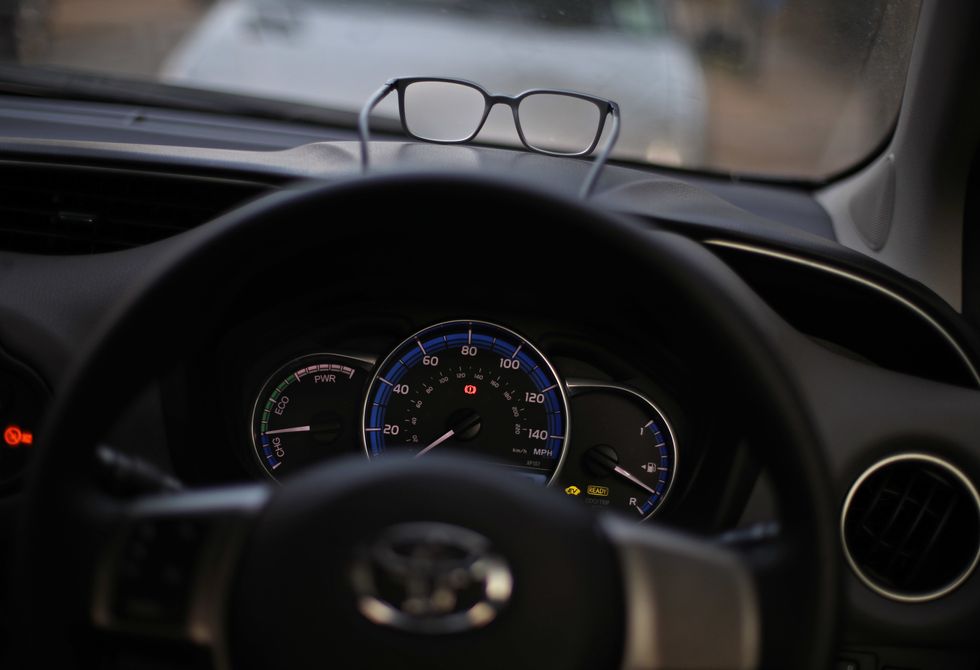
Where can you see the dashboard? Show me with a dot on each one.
(535, 376)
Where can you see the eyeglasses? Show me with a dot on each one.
(453, 111)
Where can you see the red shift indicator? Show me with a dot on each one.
(469, 389)
(14, 436)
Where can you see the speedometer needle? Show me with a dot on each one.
(445, 436)
(469, 420)
(633, 478)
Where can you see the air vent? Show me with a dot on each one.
(69, 210)
(911, 527)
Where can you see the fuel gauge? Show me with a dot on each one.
(622, 456)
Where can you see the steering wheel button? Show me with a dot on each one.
(159, 560)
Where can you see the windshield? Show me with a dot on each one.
(792, 89)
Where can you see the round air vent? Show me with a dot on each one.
(911, 527)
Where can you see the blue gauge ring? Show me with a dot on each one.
(472, 387)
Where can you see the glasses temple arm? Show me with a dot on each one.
(364, 120)
(600, 161)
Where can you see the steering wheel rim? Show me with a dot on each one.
(756, 343)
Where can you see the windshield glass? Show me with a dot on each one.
(795, 89)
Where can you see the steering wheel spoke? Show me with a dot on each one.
(690, 603)
(166, 568)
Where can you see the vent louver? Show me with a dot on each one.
(911, 527)
(65, 210)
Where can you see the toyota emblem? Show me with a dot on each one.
(430, 578)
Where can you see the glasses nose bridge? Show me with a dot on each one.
(507, 100)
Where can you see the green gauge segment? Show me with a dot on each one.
(306, 413)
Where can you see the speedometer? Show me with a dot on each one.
(471, 387)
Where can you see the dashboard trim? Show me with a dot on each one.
(864, 281)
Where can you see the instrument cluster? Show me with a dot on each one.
(471, 387)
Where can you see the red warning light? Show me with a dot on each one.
(13, 436)
(469, 389)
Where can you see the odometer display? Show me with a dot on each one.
(470, 387)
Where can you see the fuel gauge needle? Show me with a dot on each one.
(633, 478)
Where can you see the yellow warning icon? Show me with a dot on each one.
(573, 490)
(594, 490)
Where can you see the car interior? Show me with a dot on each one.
(374, 381)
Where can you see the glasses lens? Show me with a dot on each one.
(442, 111)
(559, 123)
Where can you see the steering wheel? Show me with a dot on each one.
(511, 575)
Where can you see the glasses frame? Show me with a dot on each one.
(607, 109)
